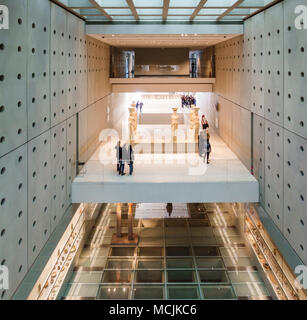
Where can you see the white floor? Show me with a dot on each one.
(177, 178)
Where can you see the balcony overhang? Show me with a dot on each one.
(162, 84)
(169, 177)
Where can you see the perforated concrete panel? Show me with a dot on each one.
(237, 68)
(58, 64)
(82, 68)
(38, 96)
(73, 43)
(295, 194)
(39, 194)
(58, 173)
(241, 134)
(273, 59)
(71, 154)
(43, 84)
(295, 53)
(258, 154)
(257, 72)
(247, 66)
(274, 172)
(273, 86)
(13, 216)
(13, 67)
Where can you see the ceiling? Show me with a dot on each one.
(164, 41)
(165, 10)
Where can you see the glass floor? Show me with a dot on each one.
(200, 257)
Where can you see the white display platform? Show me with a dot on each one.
(176, 178)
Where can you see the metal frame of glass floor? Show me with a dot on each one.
(202, 257)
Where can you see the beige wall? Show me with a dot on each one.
(156, 56)
(95, 117)
(234, 116)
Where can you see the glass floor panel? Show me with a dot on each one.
(181, 276)
(210, 263)
(175, 258)
(243, 276)
(250, 289)
(213, 276)
(119, 264)
(178, 251)
(117, 276)
(180, 263)
(183, 292)
(150, 264)
(206, 251)
(122, 252)
(150, 251)
(82, 290)
(149, 276)
(87, 277)
(115, 293)
(149, 292)
(218, 292)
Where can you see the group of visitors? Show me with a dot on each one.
(204, 147)
(187, 101)
(124, 155)
(139, 105)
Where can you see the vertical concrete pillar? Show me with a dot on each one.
(130, 222)
(118, 220)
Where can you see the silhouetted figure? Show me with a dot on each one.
(119, 154)
(207, 151)
(128, 157)
(169, 209)
(141, 106)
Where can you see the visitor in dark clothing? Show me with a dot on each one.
(119, 152)
(207, 151)
(127, 157)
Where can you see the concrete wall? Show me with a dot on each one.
(48, 70)
(261, 80)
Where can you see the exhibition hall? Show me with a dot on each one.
(153, 150)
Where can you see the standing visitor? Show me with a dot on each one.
(127, 157)
(201, 142)
(137, 107)
(119, 154)
(207, 149)
(203, 119)
(141, 106)
(131, 159)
